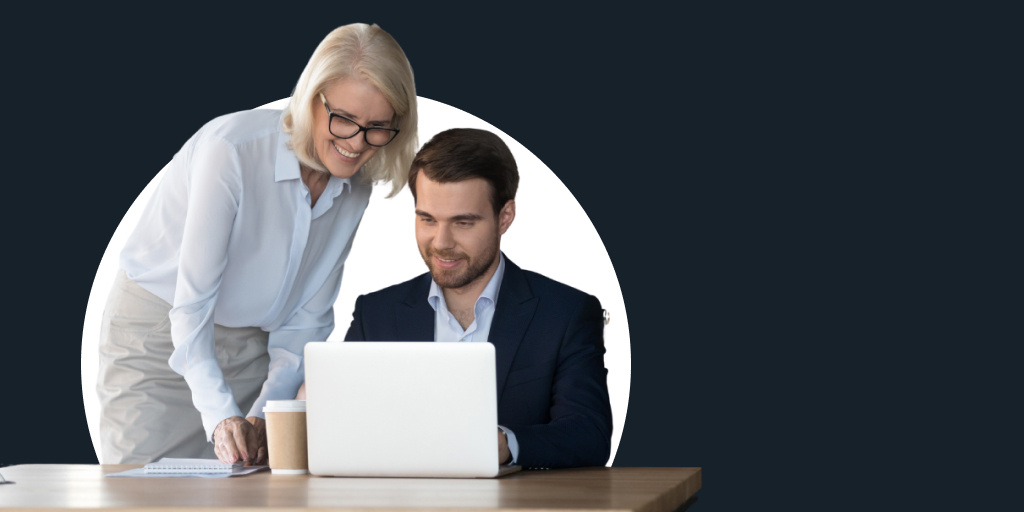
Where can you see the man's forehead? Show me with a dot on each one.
(473, 194)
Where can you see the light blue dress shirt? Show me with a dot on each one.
(230, 238)
(447, 327)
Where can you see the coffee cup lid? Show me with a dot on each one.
(285, 406)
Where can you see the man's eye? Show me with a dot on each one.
(426, 220)
(464, 224)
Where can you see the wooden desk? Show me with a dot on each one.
(590, 489)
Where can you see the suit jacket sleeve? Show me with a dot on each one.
(579, 430)
(355, 329)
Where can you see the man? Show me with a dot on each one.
(553, 408)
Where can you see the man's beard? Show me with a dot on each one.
(471, 270)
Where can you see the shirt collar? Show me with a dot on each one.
(287, 165)
(489, 295)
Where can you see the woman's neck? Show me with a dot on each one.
(315, 181)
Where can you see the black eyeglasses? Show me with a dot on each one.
(345, 128)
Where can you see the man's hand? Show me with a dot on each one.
(236, 439)
(504, 456)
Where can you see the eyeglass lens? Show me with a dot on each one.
(341, 127)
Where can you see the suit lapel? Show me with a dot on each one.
(414, 318)
(515, 308)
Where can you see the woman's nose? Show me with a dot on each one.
(358, 143)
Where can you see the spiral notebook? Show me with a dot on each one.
(192, 466)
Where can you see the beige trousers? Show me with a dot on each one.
(146, 409)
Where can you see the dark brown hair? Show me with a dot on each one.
(460, 154)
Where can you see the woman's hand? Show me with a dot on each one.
(237, 439)
(260, 425)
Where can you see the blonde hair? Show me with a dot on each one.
(366, 52)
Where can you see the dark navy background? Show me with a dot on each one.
(805, 253)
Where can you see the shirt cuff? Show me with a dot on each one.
(283, 380)
(513, 444)
(210, 394)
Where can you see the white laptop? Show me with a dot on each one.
(402, 409)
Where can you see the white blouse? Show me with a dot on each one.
(229, 238)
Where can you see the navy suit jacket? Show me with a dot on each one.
(549, 351)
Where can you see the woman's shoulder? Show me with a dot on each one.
(245, 126)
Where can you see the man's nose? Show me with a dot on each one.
(443, 238)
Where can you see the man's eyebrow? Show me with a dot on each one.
(456, 218)
(467, 216)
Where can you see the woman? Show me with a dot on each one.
(237, 260)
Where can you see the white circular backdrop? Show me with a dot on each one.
(551, 235)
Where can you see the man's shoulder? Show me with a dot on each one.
(544, 286)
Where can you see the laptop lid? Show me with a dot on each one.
(402, 409)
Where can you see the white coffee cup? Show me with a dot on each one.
(286, 436)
